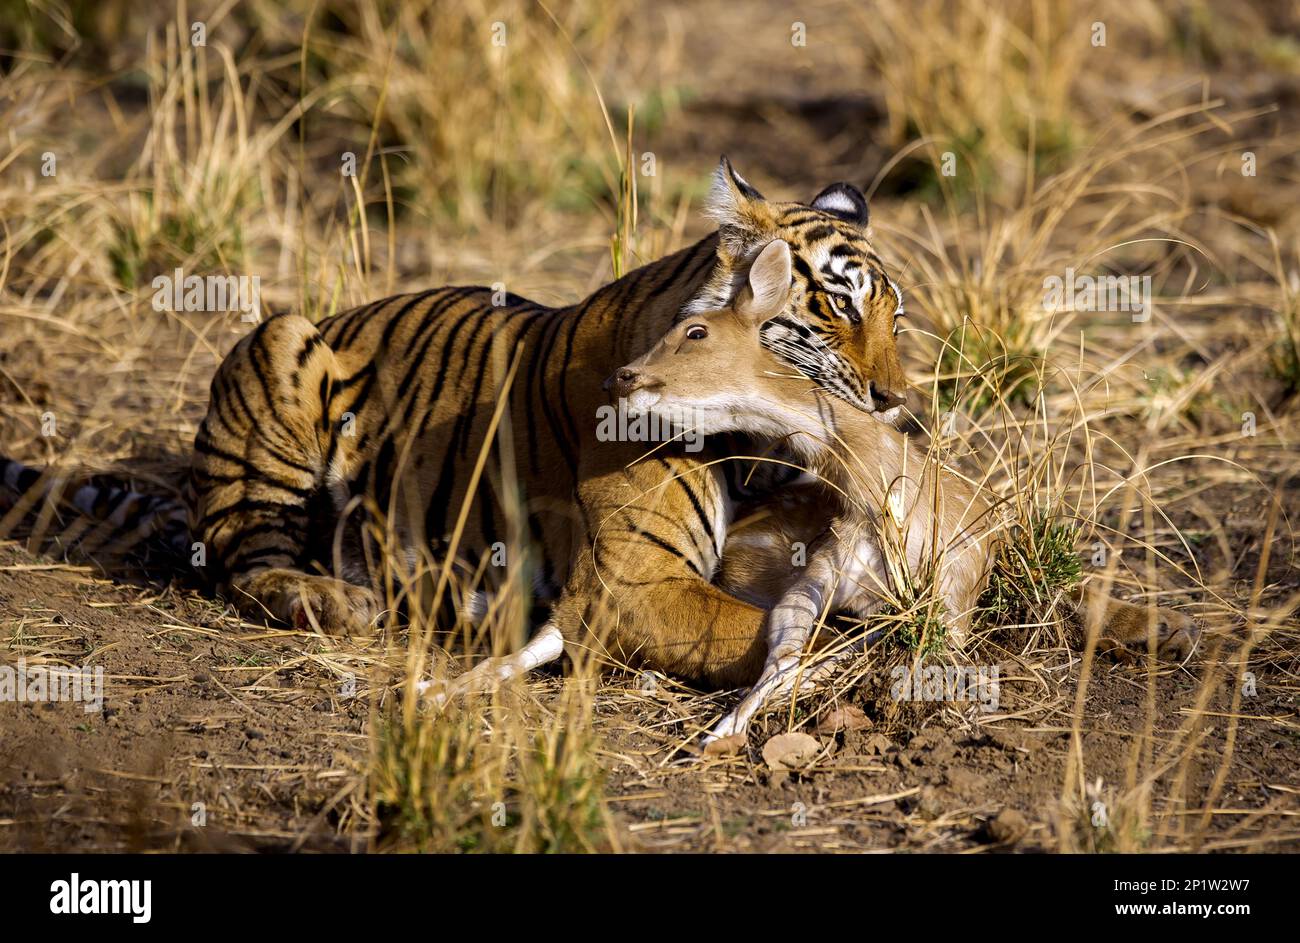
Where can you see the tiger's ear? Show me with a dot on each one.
(765, 293)
(734, 204)
(845, 201)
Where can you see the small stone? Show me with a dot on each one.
(789, 751)
(844, 717)
(725, 746)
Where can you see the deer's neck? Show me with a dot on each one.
(858, 453)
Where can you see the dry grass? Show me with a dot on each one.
(480, 163)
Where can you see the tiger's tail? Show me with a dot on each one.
(93, 516)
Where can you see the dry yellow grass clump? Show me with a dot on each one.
(342, 151)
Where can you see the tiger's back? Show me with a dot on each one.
(376, 422)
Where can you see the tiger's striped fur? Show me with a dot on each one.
(96, 514)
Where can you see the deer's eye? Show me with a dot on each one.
(697, 332)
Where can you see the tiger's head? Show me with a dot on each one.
(839, 324)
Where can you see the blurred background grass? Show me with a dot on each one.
(488, 138)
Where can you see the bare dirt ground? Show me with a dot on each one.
(261, 736)
(221, 735)
(204, 722)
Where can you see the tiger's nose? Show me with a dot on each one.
(623, 382)
(884, 399)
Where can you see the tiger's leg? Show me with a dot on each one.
(260, 463)
(1127, 628)
(673, 622)
(636, 592)
(639, 590)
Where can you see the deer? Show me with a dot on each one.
(886, 510)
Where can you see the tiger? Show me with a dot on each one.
(379, 422)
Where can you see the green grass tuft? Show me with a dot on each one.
(465, 781)
(1035, 561)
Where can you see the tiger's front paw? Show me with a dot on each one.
(306, 601)
(334, 607)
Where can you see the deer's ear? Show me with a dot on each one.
(765, 293)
